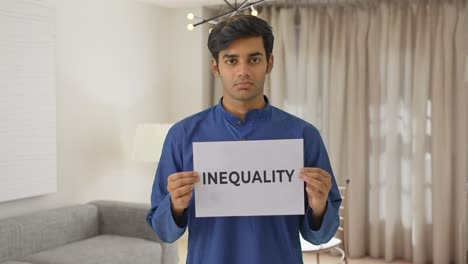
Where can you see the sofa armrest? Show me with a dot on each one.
(129, 219)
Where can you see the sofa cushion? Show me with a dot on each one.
(101, 250)
(27, 234)
(124, 219)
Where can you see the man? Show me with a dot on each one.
(241, 47)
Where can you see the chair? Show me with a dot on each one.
(341, 245)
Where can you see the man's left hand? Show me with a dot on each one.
(318, 184)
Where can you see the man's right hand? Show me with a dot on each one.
(180, 186)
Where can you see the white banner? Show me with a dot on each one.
(247, 178)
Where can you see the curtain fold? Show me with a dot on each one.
(421, 175)
(460, 138)
(357, 121)
(445, 88)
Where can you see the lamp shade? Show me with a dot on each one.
(149, 140)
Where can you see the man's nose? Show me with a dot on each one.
(243, 69)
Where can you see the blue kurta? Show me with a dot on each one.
(248, 239)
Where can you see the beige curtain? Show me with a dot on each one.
(383, 82)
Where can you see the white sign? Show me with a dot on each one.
(247, 178)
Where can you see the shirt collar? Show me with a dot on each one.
(262, 113)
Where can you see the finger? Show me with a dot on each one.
(314, 192)
(180, 179)
(326, 179)
(172, 185)
(182, 191)
(183, 199)
(313, 177)
(180, 175)
(316, 184)
(318, 171)
(186, 199)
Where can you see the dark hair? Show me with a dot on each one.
(239, 26)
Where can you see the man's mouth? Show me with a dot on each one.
(244, 85)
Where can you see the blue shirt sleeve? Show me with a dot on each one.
(316, 156)
(160, 216)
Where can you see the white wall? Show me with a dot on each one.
(112, 73)
(190, 75)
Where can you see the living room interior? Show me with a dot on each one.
(114, 65)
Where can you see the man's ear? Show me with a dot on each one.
(270, 63)
(214, 67)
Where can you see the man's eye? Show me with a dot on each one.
(255, 60)
(231, 61)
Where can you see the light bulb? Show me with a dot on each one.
(190, 26)
(190, 16)
(254, 12)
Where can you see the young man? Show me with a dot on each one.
(241, 47)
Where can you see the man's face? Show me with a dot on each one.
(242, 68)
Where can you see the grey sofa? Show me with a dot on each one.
(97, 232)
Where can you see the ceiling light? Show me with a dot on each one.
(254, 12)
(234, 10)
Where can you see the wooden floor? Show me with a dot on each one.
(309, 258)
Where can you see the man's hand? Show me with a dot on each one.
(180, 186)
(318, 184)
